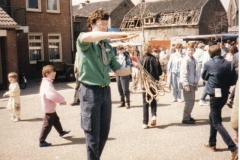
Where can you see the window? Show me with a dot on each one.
(55, 47)
(53, 6)
(33, 5)
(35, 47)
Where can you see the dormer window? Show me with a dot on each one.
(148, 20)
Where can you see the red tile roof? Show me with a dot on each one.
(6, 21)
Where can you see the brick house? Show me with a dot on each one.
(169, 18)
(45, 33)
(8, 47)
(116, 8)
(233, 16)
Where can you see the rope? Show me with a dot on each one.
(146, 83)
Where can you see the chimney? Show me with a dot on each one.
(81, 5)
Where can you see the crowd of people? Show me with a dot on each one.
(183, 67)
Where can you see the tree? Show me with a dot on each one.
(217, 23)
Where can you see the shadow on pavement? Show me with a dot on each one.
(3, 108)
(159, 105)
(115, 102)
(75, 140)
(198, 122)
(180, 124)
(221, 149)
(33, 119)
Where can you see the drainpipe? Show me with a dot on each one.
(71, 22)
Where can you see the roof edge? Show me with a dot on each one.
(9, 26)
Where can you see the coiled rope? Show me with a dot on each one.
(146, 83)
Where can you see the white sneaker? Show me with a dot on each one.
(13, 118)
(145, 126)
(154, 121)
(16, 119)
(179, 100)
(174, 100)
(203, 103)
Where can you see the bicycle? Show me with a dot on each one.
(22, 80)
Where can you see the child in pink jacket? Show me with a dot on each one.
(49, 98)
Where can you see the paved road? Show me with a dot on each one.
(169, 140)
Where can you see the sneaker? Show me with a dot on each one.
(154, 121)
(44, 144)
(63, 133)
(179, 100)
(234, 155)
(121, 105)
(13, 118)
(188, 122)
(203, 103)
(230, 103)
(212, 148)
(192, 119)
(145, 126)
(16, 120)
(174, 100)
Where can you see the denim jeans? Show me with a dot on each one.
(153, 105)
(204, 94)
(232, 95)
(176, 86)
(96, 108)
(123, 86)
(215, 120)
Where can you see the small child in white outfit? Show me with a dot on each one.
(14, 97)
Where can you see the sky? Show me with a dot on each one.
(75, 2)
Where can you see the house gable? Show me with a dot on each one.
(233, 13)
(6, 21)
(108, 6)
(116, 9)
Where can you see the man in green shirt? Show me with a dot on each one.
(96, 58)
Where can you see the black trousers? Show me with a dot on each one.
(153, 106)
(50, 119)
(215, 120)
(96, 109)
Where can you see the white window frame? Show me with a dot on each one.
(53, 11)
(39, 9)
(59, 41)
(35, 47)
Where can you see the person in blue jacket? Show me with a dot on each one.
(220, 75)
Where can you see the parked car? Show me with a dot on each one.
(61, 69)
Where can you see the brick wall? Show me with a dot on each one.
(45, 23)
(11, 51)
(9, 56)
